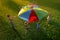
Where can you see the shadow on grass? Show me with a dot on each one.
(39, 35)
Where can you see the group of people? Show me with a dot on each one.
(28, 27)
(26, 23)
(37, 24)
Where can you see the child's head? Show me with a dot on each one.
(25, 23)
(8, 15)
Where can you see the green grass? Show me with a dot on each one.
(11, 7)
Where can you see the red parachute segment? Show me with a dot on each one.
(33, 17)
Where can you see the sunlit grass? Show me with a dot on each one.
(21, 2)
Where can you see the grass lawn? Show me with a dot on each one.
(49, 31)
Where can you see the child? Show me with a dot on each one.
(27, 27)
(38, 26)
(49, 18)
(11, 21)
